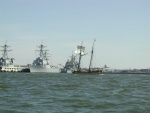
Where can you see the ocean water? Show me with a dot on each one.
(68, 93)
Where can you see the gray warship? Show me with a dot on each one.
(7, 64)
(70, 65)
(41, 63)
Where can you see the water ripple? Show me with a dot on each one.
(67, 93)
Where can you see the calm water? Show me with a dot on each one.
(67, 93)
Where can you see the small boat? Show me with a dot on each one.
(79, 70)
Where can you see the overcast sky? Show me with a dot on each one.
(121, 29)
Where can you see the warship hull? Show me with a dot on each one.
(41, 68)
(65, 71)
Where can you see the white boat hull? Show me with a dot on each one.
(13, 68)
(41, 68)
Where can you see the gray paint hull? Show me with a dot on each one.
(39, 68)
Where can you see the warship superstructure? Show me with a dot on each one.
(7, 64)
(41, 63)
(70, 65)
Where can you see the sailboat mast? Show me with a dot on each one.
(91, 55)
(80, 55)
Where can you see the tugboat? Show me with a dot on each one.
(80, 51)
(7, 64)
(41, 63)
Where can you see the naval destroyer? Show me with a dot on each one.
(7, 64)
(70, 65)
(41, 63)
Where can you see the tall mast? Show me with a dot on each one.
(80, 55)
(41, 51)
(5, 50)
(91, 55)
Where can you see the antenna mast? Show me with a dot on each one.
(5, 50)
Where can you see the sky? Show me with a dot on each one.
(121, 29)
